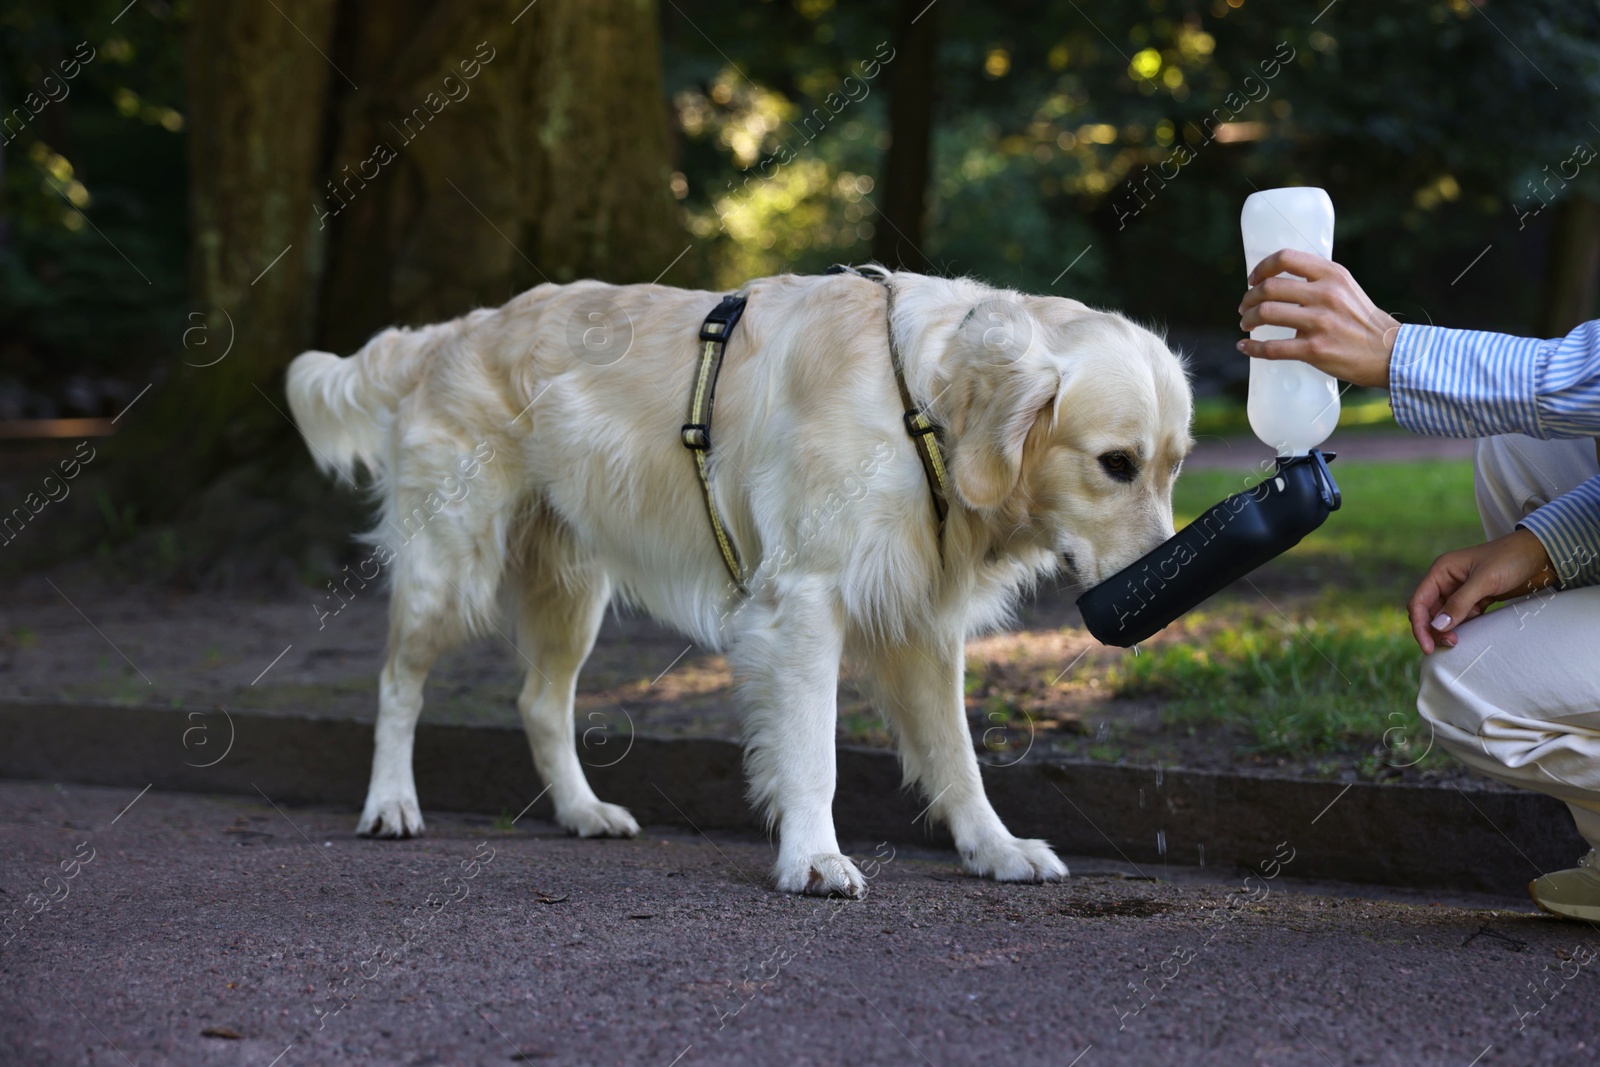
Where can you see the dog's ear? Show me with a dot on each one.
(1002, 381)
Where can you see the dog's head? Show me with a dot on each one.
(1067, 427)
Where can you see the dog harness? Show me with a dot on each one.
(925, 433)
(696, 433)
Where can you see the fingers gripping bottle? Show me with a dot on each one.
(1293, 406)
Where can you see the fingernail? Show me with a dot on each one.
(1239, 346)
(1440, 621)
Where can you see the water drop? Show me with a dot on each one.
(1202, 855)
(1161, 842)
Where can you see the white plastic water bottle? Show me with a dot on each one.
(1293, 406)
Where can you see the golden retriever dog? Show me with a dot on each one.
(533, 451)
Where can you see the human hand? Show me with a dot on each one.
(1339, 329)
(1463, 583)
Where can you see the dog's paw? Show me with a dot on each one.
(821, 874)
(397, 816)
(599, 819)
(1014, 859)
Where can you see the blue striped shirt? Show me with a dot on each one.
(1465, 383)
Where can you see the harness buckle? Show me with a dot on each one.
(719, 324)
(918, 424)
(696, 436)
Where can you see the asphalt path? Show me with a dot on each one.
(161, 928)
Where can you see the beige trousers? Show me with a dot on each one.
(1518, 698)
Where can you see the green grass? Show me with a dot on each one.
(1340, 680)
(1329, 674)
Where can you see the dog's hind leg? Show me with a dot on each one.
(429, 609)
(918, 687)
(787, 661)
(561, 607)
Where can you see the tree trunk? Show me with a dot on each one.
(897, 239)
(491, 145)
(520, 154)
(1572, 274)
(604, 206)
(257, 87)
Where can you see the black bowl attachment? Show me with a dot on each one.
(1229, 541)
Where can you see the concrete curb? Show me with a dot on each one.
(1421, 836)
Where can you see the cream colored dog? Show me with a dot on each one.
(537, 446)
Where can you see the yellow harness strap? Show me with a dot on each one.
(697, 431)
(927, 435)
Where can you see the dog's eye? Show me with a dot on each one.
(1119, 466)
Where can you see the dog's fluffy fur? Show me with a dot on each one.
(536, 446)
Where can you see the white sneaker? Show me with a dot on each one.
(1571, 894)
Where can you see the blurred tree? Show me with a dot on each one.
(92, 213)
(257, 93)
(903, 196)
(547, 159)
(359, 164)
(1102, 151)
(1086, 149)
(256, 107)
(1572, 279)
(780, 131)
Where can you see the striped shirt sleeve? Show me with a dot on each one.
(1569, 529)
(1466, 383)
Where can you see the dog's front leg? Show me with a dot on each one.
(787, 660)
(918, 686)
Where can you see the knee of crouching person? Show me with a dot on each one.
(1446, 698)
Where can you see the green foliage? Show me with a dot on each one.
(1426, 121)
(93, 250)
(994, 222)
(793, 192)
(1440, 127)
(1336, 680)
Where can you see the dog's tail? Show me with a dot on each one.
(345, 407)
